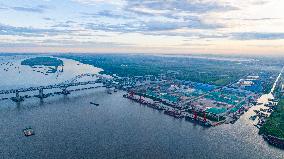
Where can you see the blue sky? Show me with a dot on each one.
(137, 26)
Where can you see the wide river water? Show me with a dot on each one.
(69, 127)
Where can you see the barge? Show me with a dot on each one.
(93, 103)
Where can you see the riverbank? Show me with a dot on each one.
(197, 117)
(273, 129)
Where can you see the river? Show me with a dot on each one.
(69, 127)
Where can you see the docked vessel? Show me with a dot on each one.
(173, 113)
(198, 121)
(93, 103)
(28, 131)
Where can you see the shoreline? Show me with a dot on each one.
(274, 141)
(271, 139)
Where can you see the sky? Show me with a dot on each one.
(143, 26)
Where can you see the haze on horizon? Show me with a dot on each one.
(137, 26)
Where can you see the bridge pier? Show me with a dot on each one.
(65, 91)
(18, 98)
(40, 94)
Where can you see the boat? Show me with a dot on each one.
(198, 121)
(96, 104)
(28, 131)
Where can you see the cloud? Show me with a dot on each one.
(156, 8)
(260, 2)
(48, 19)
(62, 42)
(149, 27)
(69, 24)
(95, 2)
(75, 43)
(257, 36)
(28, 31)
(3, 8)
(194, 6)
(154, 16)
(147, 23)
(155, 27)
(61, 25)
(35, 9)
(151, 6)
(251, 19)
(107, 14)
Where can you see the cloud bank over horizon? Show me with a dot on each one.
(143, 26)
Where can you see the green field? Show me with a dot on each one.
(202, 70)
(275, 124)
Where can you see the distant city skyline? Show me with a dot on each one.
(137, 26)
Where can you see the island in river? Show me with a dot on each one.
(43, 61)
(50, 62)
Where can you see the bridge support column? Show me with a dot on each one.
(17, 95)
(40, 93)
(65, 91)
(18, 98)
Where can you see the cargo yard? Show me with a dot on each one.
(204, 104)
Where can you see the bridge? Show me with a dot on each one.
(63, 86)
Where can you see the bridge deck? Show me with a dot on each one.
(47, 87)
